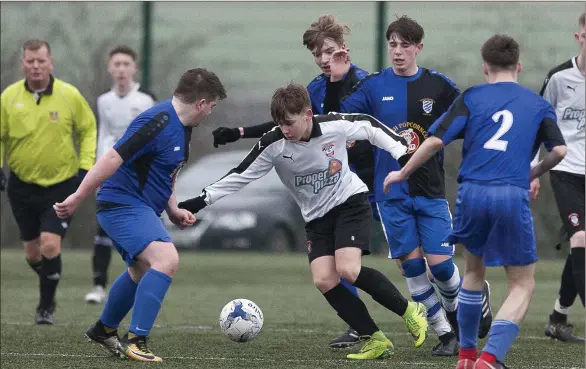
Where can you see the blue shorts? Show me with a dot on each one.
(132, 228)
(414, 221)
(495, 223)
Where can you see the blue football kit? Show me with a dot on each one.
(129, 204)
(502, 126)
(415, 212)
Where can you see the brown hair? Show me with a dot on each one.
(582, 20)
(123, 49)
(199, 83)
(500, 51)
(293, 99)
(325, 27)
(34, 45)
(406, 28)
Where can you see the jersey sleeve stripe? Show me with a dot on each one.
(143, 136)
(458, 109)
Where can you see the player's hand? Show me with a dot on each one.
(394, 177)
(66, 208)
(181, 218)
(224, 135)
(338, 64)
(193, 205)
(534, 188)
(2, 180)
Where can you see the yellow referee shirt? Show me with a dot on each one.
(37, 132)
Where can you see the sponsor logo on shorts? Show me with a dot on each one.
(574, 219)
(309, 246)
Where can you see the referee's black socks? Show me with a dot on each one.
(50, 276)
(351, 309)
(578, 269)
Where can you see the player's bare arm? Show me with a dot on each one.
(104, 169)
(552, 159)
(428, 149)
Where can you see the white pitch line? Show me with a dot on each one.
(197, 358)
(180, 327)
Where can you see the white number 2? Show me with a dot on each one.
(494, 143)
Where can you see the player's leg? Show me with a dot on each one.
(558, 327)
(505, 327)
(470, 309)
(102, 254)
(352, 240)
(400, 228)
(163, 260)
(348, 306)
(510, 243)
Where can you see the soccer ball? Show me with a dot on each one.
(241, 320)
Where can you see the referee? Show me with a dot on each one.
(40, 114)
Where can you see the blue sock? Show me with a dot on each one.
(469, 313)
(120, 300)
(149, 296)
(447, 280)
(349, 286)
(501, 337)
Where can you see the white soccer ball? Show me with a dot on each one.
(241, 320)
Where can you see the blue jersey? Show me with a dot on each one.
(317, 89)
(154, 149)
(409, 106)
(502, 125)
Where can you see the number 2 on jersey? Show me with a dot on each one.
(494, 143)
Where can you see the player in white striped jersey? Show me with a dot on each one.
(309, 155)
(116, 109)
(564, 89)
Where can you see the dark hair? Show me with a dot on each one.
(501, 52)
(325, 27)
(123, 49)
(406, 28)
(582, 20)
(35, 44)
(199, 83)
(293, 99)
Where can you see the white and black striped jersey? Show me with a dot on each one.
(116, 112)
(564, 89)
(315, 171)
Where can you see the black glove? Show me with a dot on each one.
(224, 135)
(81, 174)
(193, 205)
(2, 180)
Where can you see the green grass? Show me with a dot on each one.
(298, 321)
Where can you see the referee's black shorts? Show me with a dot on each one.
(568, 189)
(32, 206)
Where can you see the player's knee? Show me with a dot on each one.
(400, 266)
(578, 239)
(444, 270)
(32, 250)
(324, 283)
(168, 262)
(348, 271)
(50, 245)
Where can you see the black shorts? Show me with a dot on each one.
(101, 238)
(346, 225)
(32, 206)
(568, 189)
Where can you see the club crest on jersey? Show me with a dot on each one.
(54, 116)
(328, 149)
(574, 219)
(413, 133)
(427, 105)
(323, 178)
